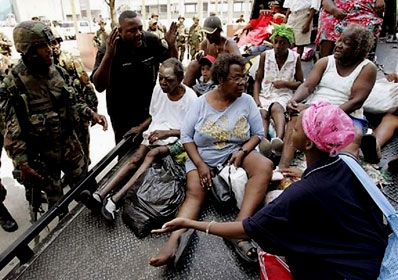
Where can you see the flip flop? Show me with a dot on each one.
(393, 165)
(185, 240)
(369, 148)
(243, 250)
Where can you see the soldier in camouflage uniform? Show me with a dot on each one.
(81, 83)
(5, 53)
(182, 34)
(195, 37)
(101, 35)
(39, 109)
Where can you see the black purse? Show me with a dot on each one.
(221, 190)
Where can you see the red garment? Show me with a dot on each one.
(259, 31)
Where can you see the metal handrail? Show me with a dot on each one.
(19, 248)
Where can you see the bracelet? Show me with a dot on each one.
(208, 227)
(245, 152)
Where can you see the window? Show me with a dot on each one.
(190, 8)
(163, 8)
(238, 7)
(147, 9)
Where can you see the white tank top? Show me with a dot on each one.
(335, 88)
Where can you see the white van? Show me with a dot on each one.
(68, 30)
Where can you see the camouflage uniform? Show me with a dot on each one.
(194, 38)
(182, 34)
(81, 83)
(100, 37)
(38, 114)
(5, 53)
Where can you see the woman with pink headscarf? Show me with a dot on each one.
(326, 224)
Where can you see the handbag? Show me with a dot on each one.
(389, 265)
(229, 186)
(221, 190)
(273, 267)
(383, 98)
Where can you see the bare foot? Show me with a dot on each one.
(165, 254)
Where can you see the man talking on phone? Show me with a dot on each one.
(127, 67)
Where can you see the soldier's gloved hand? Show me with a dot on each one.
(100, 119)
(29, 174)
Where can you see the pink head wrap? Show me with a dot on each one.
(329, 127)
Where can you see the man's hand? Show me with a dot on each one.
(111, 42)
(171, 35)
(199, 55)
(158, 135)
(30, 175)
(100, 119)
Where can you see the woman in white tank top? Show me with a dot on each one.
(345, 79)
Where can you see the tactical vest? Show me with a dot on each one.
(43, 107)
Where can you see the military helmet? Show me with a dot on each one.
(181, 17)
(102, 22)
(28, 34)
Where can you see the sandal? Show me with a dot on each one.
(184, 241)
(370, 149)
(243, 251)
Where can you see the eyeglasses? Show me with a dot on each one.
(238, 79)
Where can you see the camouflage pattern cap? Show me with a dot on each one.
(31, 33)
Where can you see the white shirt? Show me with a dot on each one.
(335, 88)
(297, 5)
(167, 114)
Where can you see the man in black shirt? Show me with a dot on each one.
(127, 66)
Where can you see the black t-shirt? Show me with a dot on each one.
(326, 225)
(133, 77)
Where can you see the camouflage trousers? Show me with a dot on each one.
(181, 50)
(83, 134)
(193, 50)
(67, 158)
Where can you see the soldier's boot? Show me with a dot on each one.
(7, 222)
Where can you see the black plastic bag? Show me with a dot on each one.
(155, 197)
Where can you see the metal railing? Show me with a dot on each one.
(20, 248)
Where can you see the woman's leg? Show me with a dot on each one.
(288, 148)
(278, 115)
(326, 48)
(124, 171)
(150, 157)
(385, 130)
(259, 172)
(265, 117)
(194, 198)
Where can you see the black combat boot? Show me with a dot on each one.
(7, 222)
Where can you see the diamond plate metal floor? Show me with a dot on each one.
(88, 248)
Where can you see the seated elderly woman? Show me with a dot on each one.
(222, 122)
(344, 79)
(169, 103)
(326, 224)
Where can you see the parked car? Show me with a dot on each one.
(83, 26)
(68, 30)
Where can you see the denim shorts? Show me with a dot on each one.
(361, 123)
